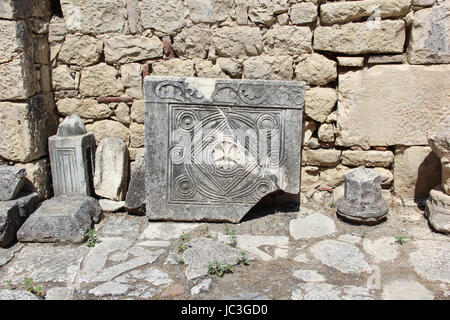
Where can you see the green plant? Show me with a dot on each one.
(182, 247)
(207, 232)
(37, 290)
(364, 234)
(219, 270)
(180, 261)
(233, 237)
(400, 239)
(242, 258)
(92, 238)
(332, 204)
(185, 237)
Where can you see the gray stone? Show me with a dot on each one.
(61, 219)
(437, 210)
(12, 180)
(201, 287)
(59, 293)
(6, 254)
(166, 230)
(312, 226)
(362, 202)
(72, 153)
(110, 288)
(309, 276)
(315, 291)
(406, 290)
(12, 215)
(111, 205)
(431, 260)
(382, 249)
(342, 256)
(247, 296)
(17, 295)
(222, 172)
(203, 251)
(135, 197)
(111, 169)
(120, 225)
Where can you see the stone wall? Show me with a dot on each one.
(375, 73)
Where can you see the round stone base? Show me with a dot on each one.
(362, 214)
(437, 210)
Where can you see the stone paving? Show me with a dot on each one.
(309, 254)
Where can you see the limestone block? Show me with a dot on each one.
(109, 129)
(309, 128)
(437, 210)
(268, 67)
(439, 141)
(333, 177)
(18, 78)
(130, 48)
(132, 79)
(319, 102)
(13, 9)
(416, 171)
(371, 158)
(138, 111)
(209, 11)
(165, 17)
(303, 13)
(81, 50)
(100, 81)
(28, 125)
(193, 42)
(207, 69)
(264, 11)
(85, 108)
(12, 215)
(111, 169)
(135, 198)
(64, 79)
(122, 114)
(137, 136)
(316, 69)
(391, 104)
(350, 61)
(239, 41)
(287, 40)
(323, 157)
(173, 67)
(56, 30)
(340, 12)
(15, 39)
(361, 37)
(231, 67)
(429, 41)
(38, 177)
(94, 16)
(326, 132)
(309, 178)
(63, 219)
(12, 180)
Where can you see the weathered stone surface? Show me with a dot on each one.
(231, 67)
(291, 40)
(130, 48)
(100, 81)
(13, 213)
(209, 11)
(309, 276)
(110, 288)
(135, 198)
(18, 78)
(239, 41)
(64, 79)
(207, 69)
(165, 17)
(193, 42)
(371, 158)
(203, 251)
(202, 287)
(71, 126)
(406, 290)
(6, 254)
(361, 37)
(15, 39)
(429, 36)
(439, 141)
(37, 123)
(326, 132)
(416, 172)
(350, 61)
(167, 230)
(319, 102)
(64, 219)
(111, 205)
(314, 225)
(84, 108)
(56, 30)
(316, 69)
(59, 293)
(81, 50)
(340, 12)
(94, 16)
(342, 256)
(264, 11)
(362, 201)
(122, 114)
(383, 59)
(12, 180)
(13, 9)
(121, 225)
(138, 111)
(333, 177)
(310, 178)
(173, 67)
(137, 135)
(17, 295)
(109, 129)
(438, 210)
(431, 260)
(268, 67)
(111, 169)
(303, 13)
(174, 194)
(382, 249)
(322, 157)
(371, 111)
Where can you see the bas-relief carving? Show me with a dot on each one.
(225, 145)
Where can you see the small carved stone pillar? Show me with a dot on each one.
(72, 152)
(438, 204)
(363, 202)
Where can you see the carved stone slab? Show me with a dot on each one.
(215, 147)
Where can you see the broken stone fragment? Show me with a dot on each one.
(63, 219)
(437, 210)
(135, 198)
(362, 202)
(71, 126)
(12, 180)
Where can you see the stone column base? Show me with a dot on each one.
(437, 210)
(363, 214)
